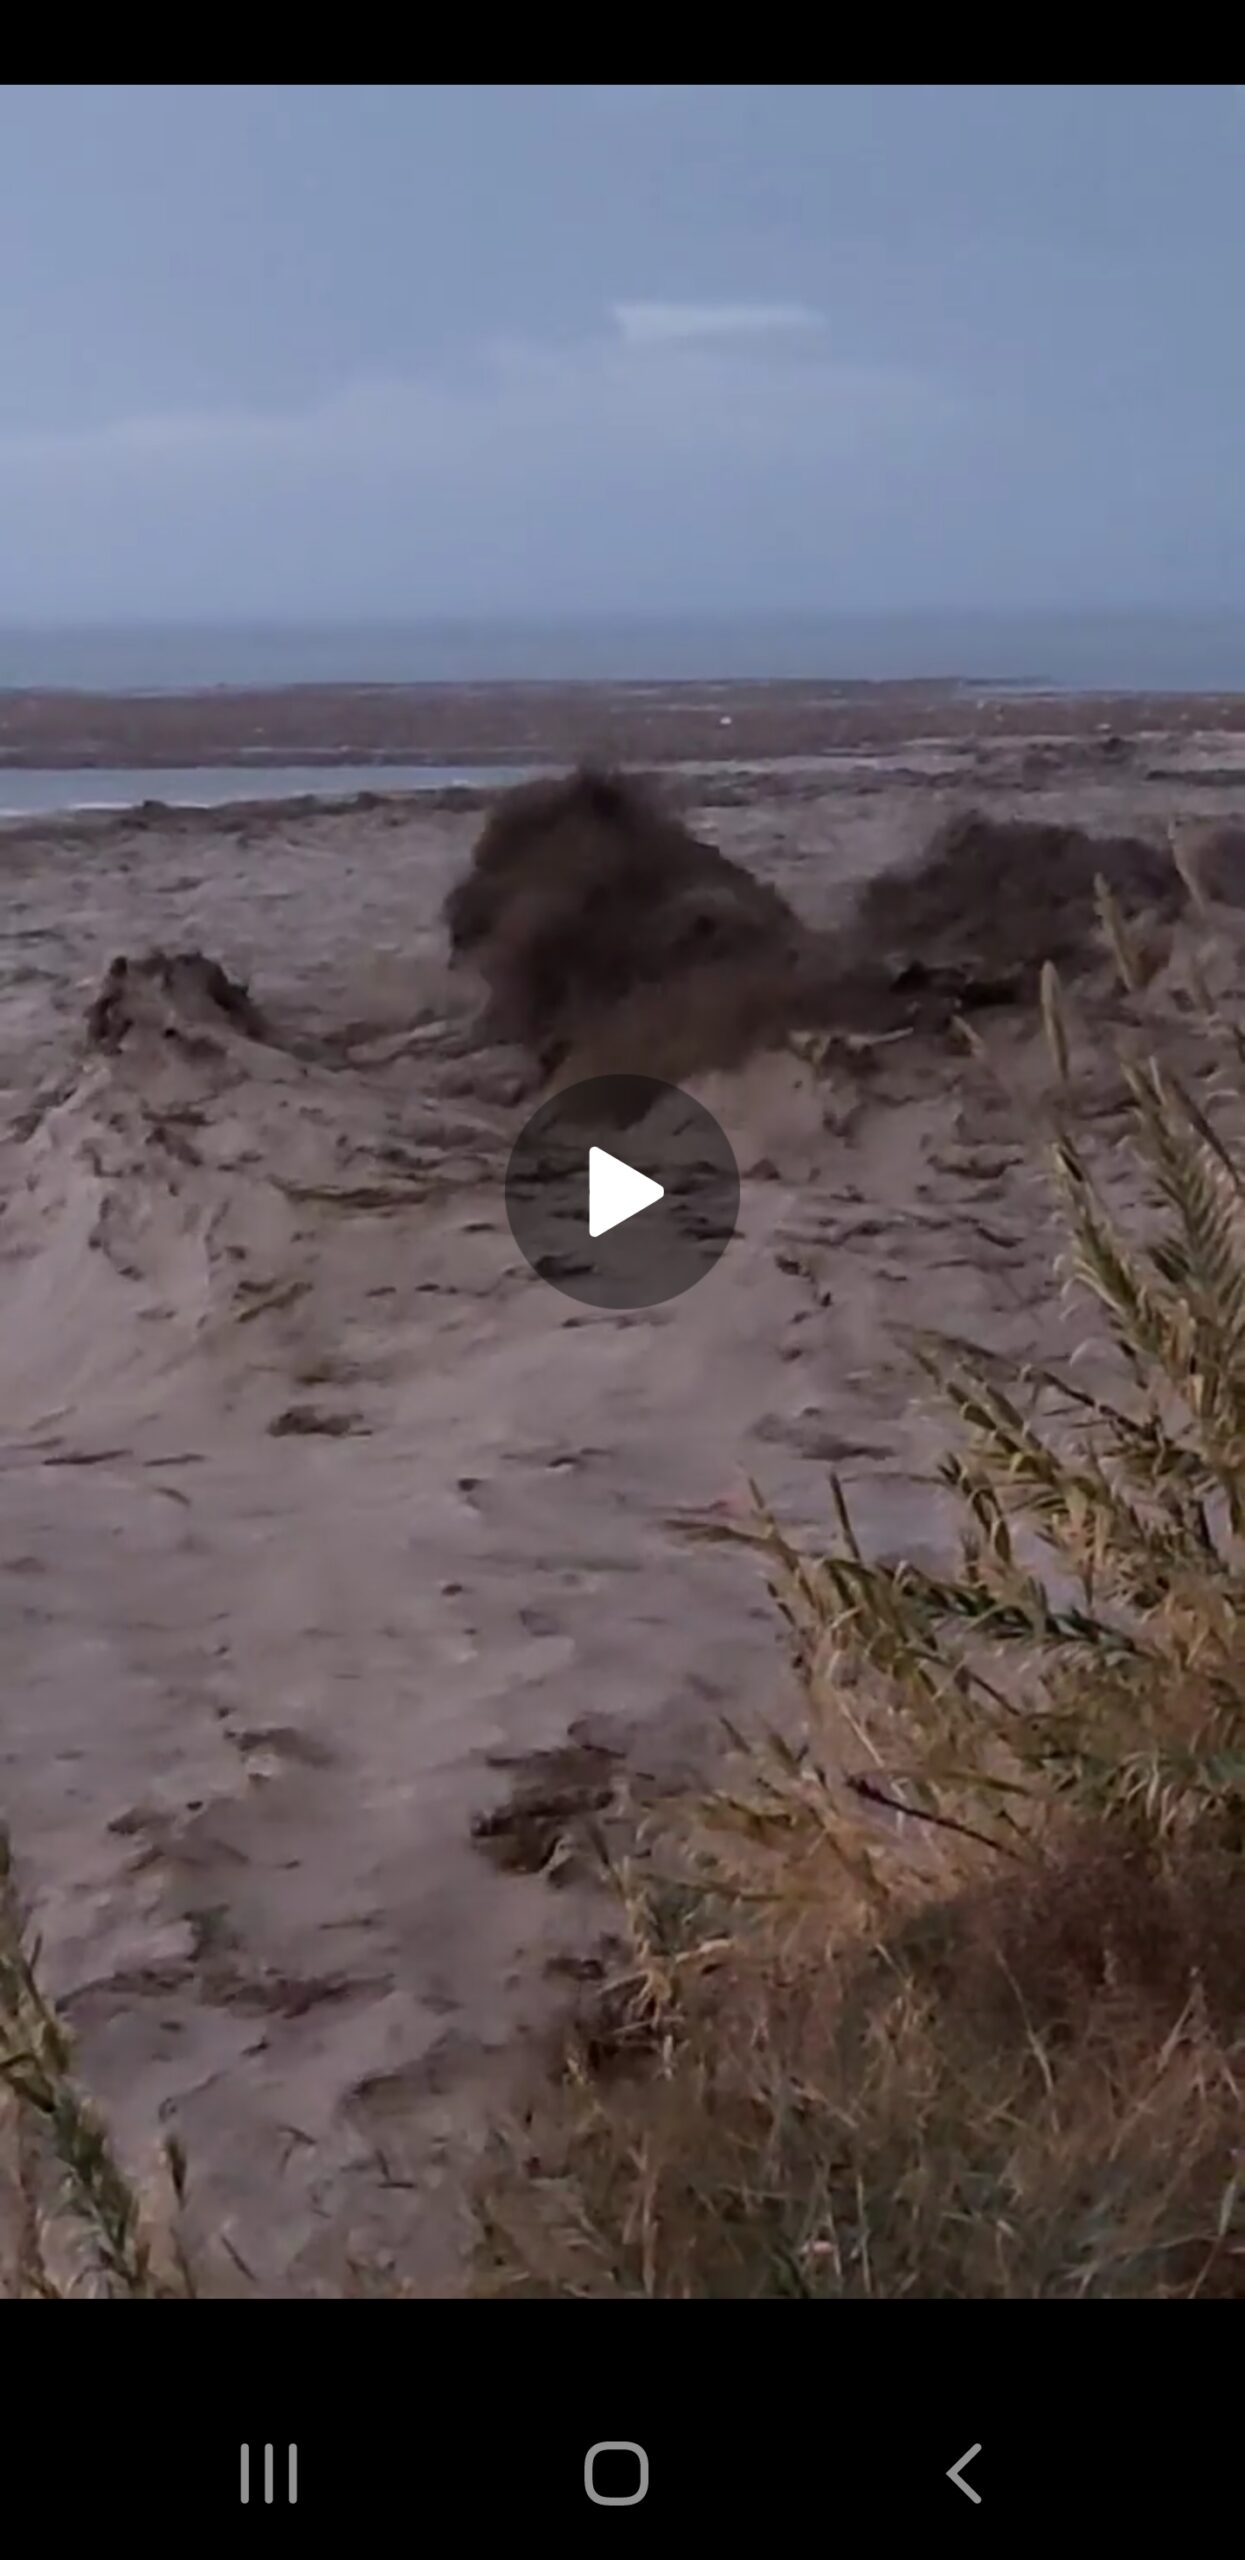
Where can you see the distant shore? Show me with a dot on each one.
(510, 725)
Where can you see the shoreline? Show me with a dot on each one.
(1026, 770)
(252, 798)
(509, 724)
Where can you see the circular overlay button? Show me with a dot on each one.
(622, 1192)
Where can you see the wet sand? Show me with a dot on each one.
(323, 1521)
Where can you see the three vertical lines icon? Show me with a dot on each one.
(291, 2475)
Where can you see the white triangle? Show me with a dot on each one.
(616, 1191)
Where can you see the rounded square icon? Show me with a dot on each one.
(615, 2444)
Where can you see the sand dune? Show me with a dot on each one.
(323, 1522)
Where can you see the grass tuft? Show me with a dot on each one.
(95, 2225)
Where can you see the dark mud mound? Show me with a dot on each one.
(991, 899)
(585, 891)
(613, 940)
(174, 989)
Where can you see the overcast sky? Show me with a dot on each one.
(511, 351)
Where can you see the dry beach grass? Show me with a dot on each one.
(942, 1990)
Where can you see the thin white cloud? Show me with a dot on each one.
(664, 323)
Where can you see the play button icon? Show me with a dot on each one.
(616, 1191)
(622, 1191)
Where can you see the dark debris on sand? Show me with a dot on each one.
(991, 899)
(608, 934)
(584, 890)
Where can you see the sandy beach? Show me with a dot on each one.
(325, 1525)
